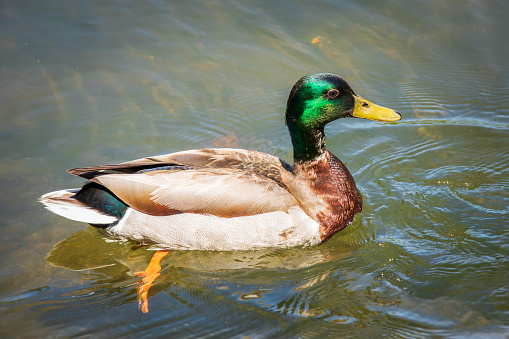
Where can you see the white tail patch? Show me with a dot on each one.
(63, 204)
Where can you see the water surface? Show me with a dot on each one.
(91, 83)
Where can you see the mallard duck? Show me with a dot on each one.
(232, 199)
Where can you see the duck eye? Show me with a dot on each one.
(332, 94)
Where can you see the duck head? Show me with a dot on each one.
(318, 99)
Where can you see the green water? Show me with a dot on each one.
(89, 83)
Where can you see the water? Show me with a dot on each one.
(94, 83)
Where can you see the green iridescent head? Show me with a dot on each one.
(318, 99)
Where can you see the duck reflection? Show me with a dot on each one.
(118, 263)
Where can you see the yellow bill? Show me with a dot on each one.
(367, 110)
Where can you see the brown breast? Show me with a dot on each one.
(331, 181)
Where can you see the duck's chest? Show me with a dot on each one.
(329, 180)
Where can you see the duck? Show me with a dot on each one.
(226, 199)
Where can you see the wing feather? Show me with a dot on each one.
(201, 158)
(216, 191)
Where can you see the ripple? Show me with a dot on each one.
(25, 295)
(439, 192)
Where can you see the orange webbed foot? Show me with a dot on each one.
(149, 275)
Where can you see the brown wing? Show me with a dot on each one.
(223, 182)
(262, 163)
(220, 192)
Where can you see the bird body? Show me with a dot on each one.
(232, 199)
